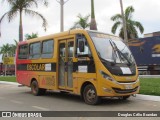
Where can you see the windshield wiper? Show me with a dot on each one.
(114, 52)
(121, 53)
(124, 56)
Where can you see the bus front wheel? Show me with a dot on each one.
(36, 90)
(90, 95)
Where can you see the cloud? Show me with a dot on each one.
(146, 11)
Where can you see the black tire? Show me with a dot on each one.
(90, 95)
(36, 90)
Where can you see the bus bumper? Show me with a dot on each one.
(119, 90)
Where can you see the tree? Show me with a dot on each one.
(13, 48)
(33, 35)
(5, 50)
(23, 6)
(124, 23)
(8, 50)
(131, 25)
(82, 22)
(93, 25)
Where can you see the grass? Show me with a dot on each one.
(8, 78)
(148, 86)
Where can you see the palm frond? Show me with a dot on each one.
(128, 12)
(16, 42)
(12, 14)
(8, 1)
(117, 17)
(132, 26)
(82, 22)
(115, 26)
(139, 26)
(121, 33)
(36, 14)
(3, 16)
(45, 2)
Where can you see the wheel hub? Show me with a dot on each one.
(90, 95)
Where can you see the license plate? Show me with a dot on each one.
(128, 87)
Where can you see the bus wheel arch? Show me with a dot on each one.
(35, 88)
(89, 94)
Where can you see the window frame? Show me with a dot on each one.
(35, 54)
(47, 53)
(26, 51)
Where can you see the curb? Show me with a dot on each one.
(12, 83)
(148, 97)
(138, 96)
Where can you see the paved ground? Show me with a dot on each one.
(14, 98)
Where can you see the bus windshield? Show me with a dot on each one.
(111, 48)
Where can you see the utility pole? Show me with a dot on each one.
(62, 2)
(124, 24)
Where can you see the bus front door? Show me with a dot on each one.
(65, 68)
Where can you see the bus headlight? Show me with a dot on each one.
(107, 77)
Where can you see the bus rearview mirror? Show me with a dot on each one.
(81, 46)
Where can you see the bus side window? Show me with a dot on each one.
(35, 50)
(47, 49)
(23, 52)
(82, 47)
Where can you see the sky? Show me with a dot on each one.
(146, 12)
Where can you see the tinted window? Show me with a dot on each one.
(47, 49)
(23, 52)
(35, 50)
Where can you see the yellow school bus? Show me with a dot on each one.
(87, 63)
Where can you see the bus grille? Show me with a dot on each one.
(123, 91)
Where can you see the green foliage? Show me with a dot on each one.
(8, 78)
(132, 26)
(82, 22)
(31, 36)
(150, 86)
(8, 50)
(19, 7)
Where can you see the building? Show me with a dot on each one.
(152, 34)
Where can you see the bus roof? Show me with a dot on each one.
(61, 34)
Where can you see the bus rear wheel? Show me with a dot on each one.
(90, 95)
(36, 90)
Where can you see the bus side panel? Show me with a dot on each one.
(47, 81)
(25, 78)
(80, 78)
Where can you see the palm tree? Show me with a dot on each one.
(93, 25)
(5, 50)
(23, 6)
(13, 48)
(8, 50)
(33, 35)
(131, 25)
(124, 23)
(82, 22)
